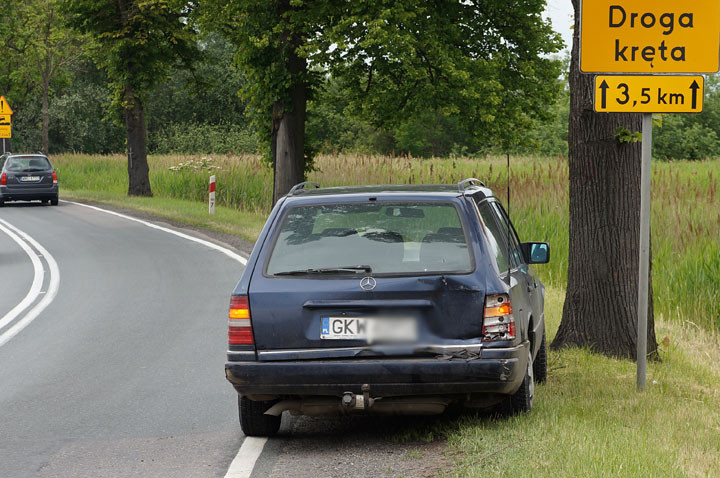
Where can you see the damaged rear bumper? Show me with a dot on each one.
(497, 370)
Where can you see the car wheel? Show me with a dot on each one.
(540, 363)
(54, 201)
(2, 202)
(253, 420)
(522, 400)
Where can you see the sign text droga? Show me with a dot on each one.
(667, 22)
(649, 36)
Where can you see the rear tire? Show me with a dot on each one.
(54, 201)
(253, 420)
(540, 363)
(522, 400)
(2, 202)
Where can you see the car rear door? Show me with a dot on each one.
(28, 172)
(508, 259)
(288, 312)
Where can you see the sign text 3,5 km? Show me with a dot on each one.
(641, 36)
(649, 94)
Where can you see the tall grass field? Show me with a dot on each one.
(685, 206)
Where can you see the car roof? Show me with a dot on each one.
(29, 155)
(419, 190)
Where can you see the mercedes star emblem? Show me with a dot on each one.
(367, 283)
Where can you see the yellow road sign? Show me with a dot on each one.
(5, 126)
(640, 36)
(5, 107)
(649, 94)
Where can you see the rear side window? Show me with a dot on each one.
(27, 164)
(397, 238)
(495, 236)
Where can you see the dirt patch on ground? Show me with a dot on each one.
(352, 446)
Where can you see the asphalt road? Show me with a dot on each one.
(122, 373)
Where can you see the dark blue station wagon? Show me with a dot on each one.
(386, 300)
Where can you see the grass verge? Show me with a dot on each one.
(246, 225)
(590, 421)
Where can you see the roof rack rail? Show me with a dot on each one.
(466, 183)
(301, 186)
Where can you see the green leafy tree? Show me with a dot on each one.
(43, 47)
(483, 62)
(136, 42)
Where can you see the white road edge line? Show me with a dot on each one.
(53, 287)
(209, 244)
(251, 448)
(35, 287)
(244, 462)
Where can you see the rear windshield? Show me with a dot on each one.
(397, 238)
(27, 164)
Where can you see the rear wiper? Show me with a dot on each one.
(327, 270)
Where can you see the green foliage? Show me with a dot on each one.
(203, 138)
(207, 94)
(624, 135)
(79, 118)
(680, 138)
(483, 70)
(136, 42)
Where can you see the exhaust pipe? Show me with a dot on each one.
(353, 404)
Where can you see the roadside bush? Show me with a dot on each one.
(197, 138)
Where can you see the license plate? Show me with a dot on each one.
(29, 179)
(370, 329)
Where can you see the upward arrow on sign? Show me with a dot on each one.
(5, 107)
(603, 97)
(694, 87)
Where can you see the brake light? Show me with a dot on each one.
(54, 177)
(239, 324)
(498, 321)
(3, 180)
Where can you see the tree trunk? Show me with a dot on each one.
(600, 309)
(288, 123)
(45, 117)
(138, 171)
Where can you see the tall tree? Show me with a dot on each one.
(136, 42)
(43, 48)
(484, 61)
(600, 309)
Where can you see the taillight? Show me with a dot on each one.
(239, 325)
(54, 177)
(3, 180)
(498, 321)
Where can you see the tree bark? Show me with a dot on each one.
(600, 309)
(136, 130)
(45, 117)
(288, 122)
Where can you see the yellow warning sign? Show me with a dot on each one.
(639, 36)
(5, 119)
(5, 107)
(649, 94)
(5, 126)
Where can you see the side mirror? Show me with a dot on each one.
(536, 252)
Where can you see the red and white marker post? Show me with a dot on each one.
(211, 207)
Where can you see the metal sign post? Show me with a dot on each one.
(643, 283)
